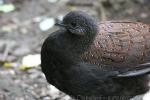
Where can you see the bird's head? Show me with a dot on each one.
(80, 28)
(79, 23)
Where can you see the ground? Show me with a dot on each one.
(22, 34)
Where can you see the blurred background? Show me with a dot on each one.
(24, 25)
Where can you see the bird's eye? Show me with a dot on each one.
(73, 24)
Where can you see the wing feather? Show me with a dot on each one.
(119, 42)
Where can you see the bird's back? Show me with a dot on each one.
(119, 43)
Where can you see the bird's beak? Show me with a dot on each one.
(60, 24)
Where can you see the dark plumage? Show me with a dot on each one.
(103, 60)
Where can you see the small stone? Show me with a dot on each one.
(144, 15)
(54, 89)
(23, 30)
(21, 51)
(60, 17)
(37, 19)
(66, 97)
(146, 96)
(46, 98)
(46, 24)
(30, 61)
(34, 75)
(6, 29)
(8, 72)
(54, 92)
(52, 1)
(7, 8)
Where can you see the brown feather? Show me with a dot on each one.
(119, 42)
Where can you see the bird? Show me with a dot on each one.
(97, 60)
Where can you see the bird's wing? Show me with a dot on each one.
(119, 43)
(139, 70)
